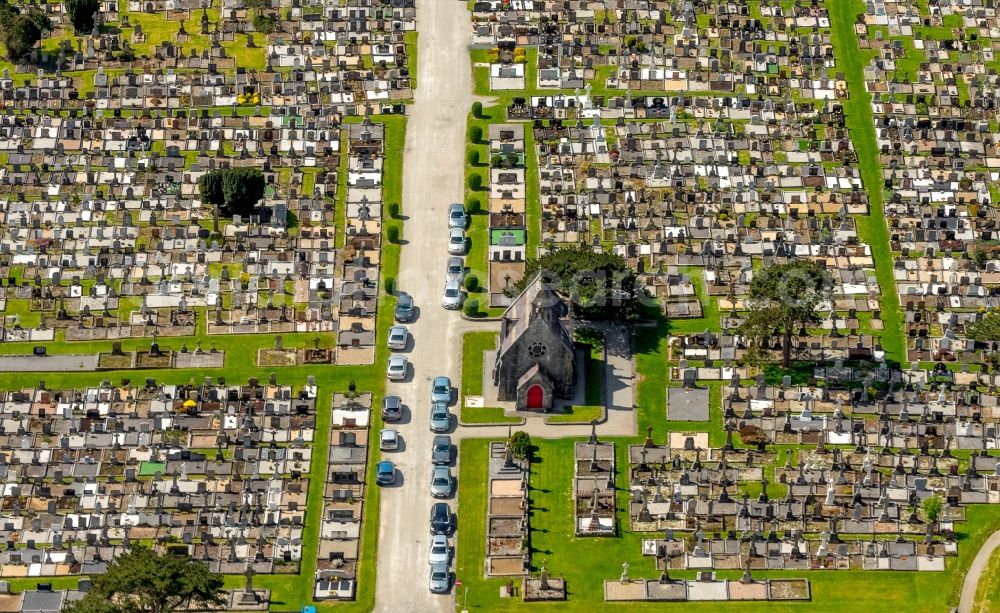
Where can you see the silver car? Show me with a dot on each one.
(440, 417)
(456, 241)
(396, 371)
(440, 580)
(397, 338)
(440, 552)
(441, 482)
(456, 269)
(452, 296)
(456, 216)
(388, 440)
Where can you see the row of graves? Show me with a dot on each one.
(675, 181)
(934, 101)
(507, 200)
(885, 463)
(343, 497)
(714, 186)
(341, 56)
(134, 256)
(661, 46)
(217, 471)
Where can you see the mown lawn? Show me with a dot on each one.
(858, 114)
(473, 346)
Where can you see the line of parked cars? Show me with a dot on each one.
(442, 486)
(458, 219)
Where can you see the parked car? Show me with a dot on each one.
(440, 581)
(441, 482)
(441, 390)
(441, 518)
(392, 408)
(404, 308)
(398, 336)
(456, 241)
(440, 417)
(457, 217)
(388, 440)
(441, 450)
(396, 371)
(451, 298)
(440, 551)
(456, 269)
(385, 473)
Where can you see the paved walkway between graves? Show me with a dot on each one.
(968, 602)
(433, 178)
(48, 363)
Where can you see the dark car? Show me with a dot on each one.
(392, 408)
(404, 308)
(441, 450)
(441, 518)
(385, 473)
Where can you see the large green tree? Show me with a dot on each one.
(81, 13)
(231, 191)
(142, 581)
(21, 29)
(600, 285)
(783, 298)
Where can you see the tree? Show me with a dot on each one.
(475, 134)
(265, 23)
(782, 298)
(477, 110)
(475, 181)
(471, 282)
(19, 35)
(210, 189)
(242, 189)
(143, 581)
(81, 13)
(599, 285)
(473, 205)
(520, 444)
(472, 157)
(394, 210)
(231, 191)
(471, 307)
(932, 507)
(987, 329)
(392, 233)
(19, 31)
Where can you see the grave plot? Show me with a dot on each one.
(507, 253)
(594, 488)
(507, 549)
(213, 470)
(343, 498)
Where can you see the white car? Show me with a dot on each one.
(397, 338)
(452, 296)
(456, 241)
(440, 549)
(388, 440)
(396, 370)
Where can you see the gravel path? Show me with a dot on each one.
(968, 602)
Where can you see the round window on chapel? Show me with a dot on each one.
(536, 350)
